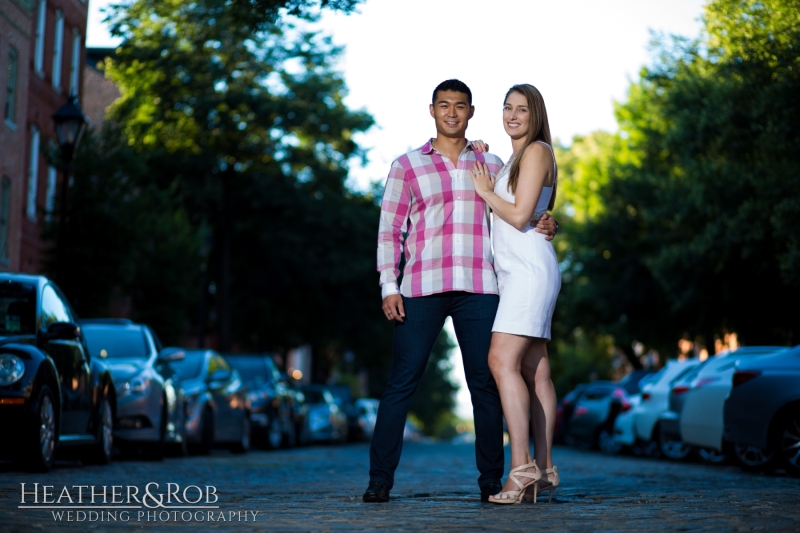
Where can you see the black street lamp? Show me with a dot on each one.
(70, 126)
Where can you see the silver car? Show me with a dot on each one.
(150, 404)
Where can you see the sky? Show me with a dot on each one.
(581, 55)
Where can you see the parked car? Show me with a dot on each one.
(150, 400)
(762, 412)
(588, 422)
(270, 400)
(669, 430)
(344, 399)
(701, 420)
(217, 411)
(654, 401)
(326, 422)
(367, 409)
(53, 394)
(564, 411)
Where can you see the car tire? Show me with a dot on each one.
(99, 453)
(290, 438)
(43, 438)
(788, 443)
(754, 459)
(206, 443)
(274, 435)
(243, 446)
(156, 451)
(606, 443)
(675, 450)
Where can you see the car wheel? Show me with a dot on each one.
(606, 442)
(206, 432)
(672, 448)
(155, 451)
(100, 452)
(290, 439)
(44, 433)
(274, 432)
(243, 446)
(712, 456)
(753, 458)
(789, 443)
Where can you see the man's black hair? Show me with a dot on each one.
(452, 85)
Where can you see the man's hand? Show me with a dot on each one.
(393, 307)
(546, 225)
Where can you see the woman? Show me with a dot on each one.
(529, 281)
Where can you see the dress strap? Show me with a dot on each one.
(555, 168)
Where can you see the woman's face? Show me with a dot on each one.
(516, 115)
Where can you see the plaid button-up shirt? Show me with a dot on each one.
(447, 247)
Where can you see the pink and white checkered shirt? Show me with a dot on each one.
(448, 247)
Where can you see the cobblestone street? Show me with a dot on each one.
(319, 489)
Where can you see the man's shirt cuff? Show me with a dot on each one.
(388, 289)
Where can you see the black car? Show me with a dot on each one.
(270, 400)
(217, 408)
(53, 394)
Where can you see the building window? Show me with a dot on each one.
(58, 49)
(38, 53)
(74, 74)
(11, 87)
(33, 174)
(5, 211)
(50, 201)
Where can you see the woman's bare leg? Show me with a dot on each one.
(505, 361)
(536, 373)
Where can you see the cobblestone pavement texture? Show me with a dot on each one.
(319, 489)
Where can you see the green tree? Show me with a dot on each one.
(695, 232)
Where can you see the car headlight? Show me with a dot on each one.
(11, 369)
(137, 385)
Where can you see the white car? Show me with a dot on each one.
(701, 421)
(655, 399)
(634, 428)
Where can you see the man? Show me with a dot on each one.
(448, 272)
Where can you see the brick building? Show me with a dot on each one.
(41, 63)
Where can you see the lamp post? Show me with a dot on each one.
(70, 126)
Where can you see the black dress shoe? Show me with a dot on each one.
(377, 492)
(490, 489)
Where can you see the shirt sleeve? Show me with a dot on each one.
(395, 207)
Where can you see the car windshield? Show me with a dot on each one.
(17, 308)
(253, 370)
(191, 366)
(116, 342)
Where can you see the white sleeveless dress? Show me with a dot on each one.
(526, 267)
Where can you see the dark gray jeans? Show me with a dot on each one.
(473, 316)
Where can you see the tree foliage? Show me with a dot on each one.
(688, 221)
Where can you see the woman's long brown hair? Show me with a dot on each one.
(538, 130)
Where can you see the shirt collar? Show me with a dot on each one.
(428, 148)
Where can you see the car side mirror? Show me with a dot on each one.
(171, 354)
(62, 331)
(219, 375)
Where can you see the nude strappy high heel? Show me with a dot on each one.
(515, 496)
(544, 484)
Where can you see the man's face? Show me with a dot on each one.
(452, 112)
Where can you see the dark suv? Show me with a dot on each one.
(53, 394)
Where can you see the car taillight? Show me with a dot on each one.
(700, 383)
(646, 396)
(581, 411)
(743, 376)
(680, 389)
